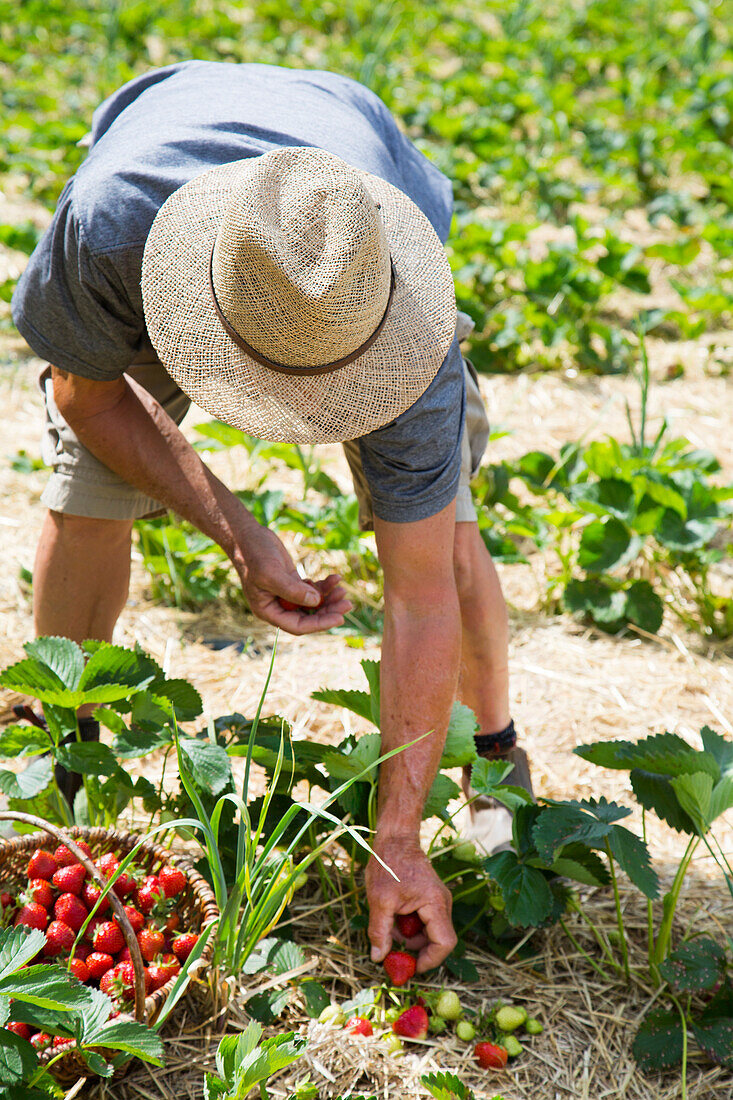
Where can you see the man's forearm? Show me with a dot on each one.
(138, 441)
(420, 661)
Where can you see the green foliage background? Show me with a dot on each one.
(529, 107)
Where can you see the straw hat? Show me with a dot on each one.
(297, 298)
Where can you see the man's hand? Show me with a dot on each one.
(269, 576)
(419, 890)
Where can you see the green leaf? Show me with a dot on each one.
(720, 748)
(446, 1086)
(694, 794)
(87, 758)
(266, 1007)
(316, 998)
(582, 865)
(525, 890)
(23, 741)
(610, 495)
(632, 856)
(130, 1037)
(460, 748)
(28, 783)
(595, 598)
(61, 655)
(713, 1030)
(655, 793)
(443, 791)
(33, 678)
(46, 986)
(607, 544)
(358, 702)
(114, 665)
(18, 1059)
(665, 753)
(643, 606)
(287, 956)
(17, 947)
(487, 775)
(371, 671)
(132, 743)
(183, 697)
(461, 968)
(693, 966)
(722, 798)
(210, 765)
(658, 1042)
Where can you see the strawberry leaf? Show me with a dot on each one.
(28, 783)
(525, 889)
(656, 793)
(18, 1060)
(658, 1042)
(694, 966)
(714, 1028)
(460, 748)
(61, 655)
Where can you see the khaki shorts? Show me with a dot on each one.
(80, 485)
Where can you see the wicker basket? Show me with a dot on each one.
(196, 904)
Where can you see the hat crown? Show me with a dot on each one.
(301, 263)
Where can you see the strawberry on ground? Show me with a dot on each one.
(173, 881)
(409, 925)
(184, 944)
(98, 963)
(108, 937)
(33, 915)
(359, 1025)
(70, 879)
(59, 938)
(90, 893)
(40, 1040)
(71, 910)
(19, 1028)
(42, 865)
(151, 943)
(412, 1023)
(400, 967)
(490, 1056)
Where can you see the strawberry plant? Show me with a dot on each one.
(245, 1063)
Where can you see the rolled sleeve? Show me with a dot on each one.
(413, 464)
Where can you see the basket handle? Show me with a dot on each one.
(117, 906)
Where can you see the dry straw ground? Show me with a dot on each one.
(569, 685)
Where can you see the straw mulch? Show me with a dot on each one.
(570, 685)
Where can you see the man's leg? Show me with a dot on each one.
(484, 679)
(81, 576)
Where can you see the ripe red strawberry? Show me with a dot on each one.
(90, 894)
(108, 937)
(171, 964)
(92, 927)
(81, 951)
(59, 938)
(172, 922)
(65, 857)
(124, 885)
(19, 1028)
(71, 910)
(98, 963)
(412, 1023)
(135, 917)
(79, 969)
(400, 967)
(119, 982)
(149, 894)
(60, 1041)
(42, 865)
(70, 879)
(359, 1025)
(33, 915)
(490, 1056)
(409, 924)
(173, 881)
(40, 1040)
(152, 943)
(38, 890)
(6, 899)
(184, 944)
(108, 864)
(124, 955)
(162, 971)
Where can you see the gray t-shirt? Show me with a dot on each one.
(79, 305)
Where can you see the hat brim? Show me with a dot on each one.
(326, 408)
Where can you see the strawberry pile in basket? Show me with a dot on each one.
(58, 900)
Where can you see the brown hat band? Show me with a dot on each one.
(283, 368)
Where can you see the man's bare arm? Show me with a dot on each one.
(126, 429)
(420, 660)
